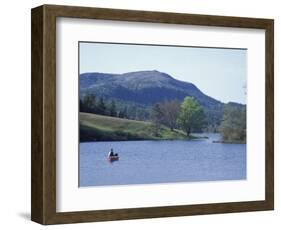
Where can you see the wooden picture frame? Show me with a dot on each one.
(43, 189)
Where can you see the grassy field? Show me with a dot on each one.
(104, 128)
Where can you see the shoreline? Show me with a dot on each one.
(171, 139)
(230, 142)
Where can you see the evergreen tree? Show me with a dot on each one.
(156, 117)
(112, 109)
(132, 112)
(89, 103)
(81, 106)
(123, 113)
(101, 107)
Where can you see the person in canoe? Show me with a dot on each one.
(112, 154)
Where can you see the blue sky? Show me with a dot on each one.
(219, 73)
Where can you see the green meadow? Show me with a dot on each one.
(95, 127)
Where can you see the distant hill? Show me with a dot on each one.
(142, 87)
(145, 88)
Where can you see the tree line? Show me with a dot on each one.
(91, 103)
(188, 115)
(98, 105)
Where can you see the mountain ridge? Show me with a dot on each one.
(129, 86)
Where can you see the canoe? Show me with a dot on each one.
(113, 158)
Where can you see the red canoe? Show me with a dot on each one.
(113, 158)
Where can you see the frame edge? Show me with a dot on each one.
(269, 123)
(37, 189)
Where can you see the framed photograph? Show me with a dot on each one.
(141, 114)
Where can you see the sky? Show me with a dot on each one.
(219, 73)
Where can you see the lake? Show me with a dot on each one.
(146, 162)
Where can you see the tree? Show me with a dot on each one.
(156, 117)
(141, 114)
(112, 109)
(170, 111)
(191, 115)
(233, 125)
(89, 103)
(132, 112)
(123, 113)
(81, 106)
(101, 107)
(213, 119)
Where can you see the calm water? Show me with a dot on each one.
(145, 162)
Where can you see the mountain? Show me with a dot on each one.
(135, 93)
(143, 87)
